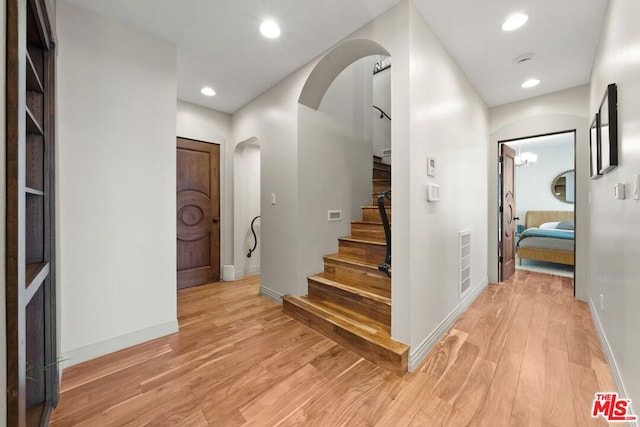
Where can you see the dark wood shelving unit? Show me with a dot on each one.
(32, 371)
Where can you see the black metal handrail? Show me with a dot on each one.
(255, 237)
(382, 113)
(386, 266)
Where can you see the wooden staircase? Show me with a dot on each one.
(350, 302)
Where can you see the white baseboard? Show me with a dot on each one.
(604, 342)
(92, 351)
(271, 294)
(418, 353)
(253, 271)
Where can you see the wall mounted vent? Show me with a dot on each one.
(464, 265)
(334, 215)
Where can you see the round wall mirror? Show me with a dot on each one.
(563, 186)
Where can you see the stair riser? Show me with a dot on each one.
(374, 200)
(381, 174)
(374, 309)
(381, 166)
(376, 278)
(373, 214)
(370, 231)
(363, 251)
(382, 357)
(379, 187)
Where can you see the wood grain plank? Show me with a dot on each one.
(264, 368)
(472, 396)
(496, 409)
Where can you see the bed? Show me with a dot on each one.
(549, 243)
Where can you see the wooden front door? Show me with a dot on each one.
(507, 254)
(198, 213)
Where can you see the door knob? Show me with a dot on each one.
(516, 218)
(216, 220)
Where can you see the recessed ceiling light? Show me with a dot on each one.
(207, 91)
(515, 21)
(530, 83)
(270, 29)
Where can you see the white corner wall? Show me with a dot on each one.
(207, 125)
(449, 121)
(116, 175)
(615, 241)
(566, 110)
(334, 163)
(3, 146)
(273, 119)
(430, 98)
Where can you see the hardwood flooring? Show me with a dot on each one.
(525, 353)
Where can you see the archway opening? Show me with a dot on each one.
(246, 203)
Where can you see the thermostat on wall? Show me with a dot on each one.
(431, 166)
(433, 192)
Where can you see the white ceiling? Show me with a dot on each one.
(219, 44)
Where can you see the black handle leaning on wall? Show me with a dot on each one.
(255, 242)
(386, 266)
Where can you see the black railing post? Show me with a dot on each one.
(386, 266)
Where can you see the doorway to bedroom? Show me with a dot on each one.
(536, 183)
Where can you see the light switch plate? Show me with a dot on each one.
(433, 192)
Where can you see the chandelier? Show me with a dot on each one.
(526, 158)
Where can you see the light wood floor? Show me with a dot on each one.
(525, 353)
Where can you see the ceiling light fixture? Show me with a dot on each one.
(207, 91)
(515, 21)
(270, 29)
(530, 83)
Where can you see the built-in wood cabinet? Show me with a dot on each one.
(32, 364)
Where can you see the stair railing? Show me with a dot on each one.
(382, 113)
(255, 237)
(386, 266)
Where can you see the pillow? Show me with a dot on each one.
(549, 225)
(566, 225)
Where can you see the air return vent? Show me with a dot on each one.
(464, 266)
(334, 216)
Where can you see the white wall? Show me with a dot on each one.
(273, 119)
(382, 99)
(3, 326)
(533, 182)
(430, 97)
(334, 163)
(441, 99)
(206, 125)
(566, 110)
(615, 241)
(116, 173)
(246, 202)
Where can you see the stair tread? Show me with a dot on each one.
(370, 240)
(374, 207)
(356, 324)
(351, 260)
(381, 180)
(367, 222)
(354, 286)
